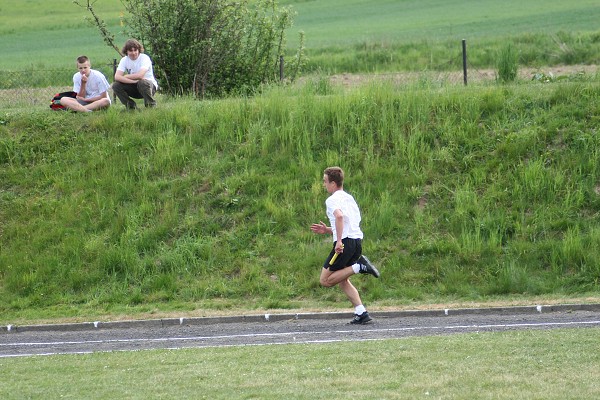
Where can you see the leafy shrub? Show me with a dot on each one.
(211, 47)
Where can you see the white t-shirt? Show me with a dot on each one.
(95, 86)
(129, 66)
(346, 203)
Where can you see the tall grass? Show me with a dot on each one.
(536, 49)
(508, 63)
(465, 192)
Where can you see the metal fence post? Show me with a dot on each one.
(114, 72)
(464, 55)
(281, 68)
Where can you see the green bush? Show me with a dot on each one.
(212, 47)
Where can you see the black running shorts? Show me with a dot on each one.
(352, 252)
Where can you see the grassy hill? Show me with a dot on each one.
(467, 193)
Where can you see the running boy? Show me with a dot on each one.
(91, 87)
(344, 217)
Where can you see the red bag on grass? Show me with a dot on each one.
(55, 102)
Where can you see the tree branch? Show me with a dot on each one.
(108, 37)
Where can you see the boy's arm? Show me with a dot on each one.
(81, 92)
(79, 85)
(320, 228)
(138, 76)
(339, 230)
(130, 78)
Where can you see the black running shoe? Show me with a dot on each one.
(361, 319)
(367, 268)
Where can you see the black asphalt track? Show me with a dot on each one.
(22, 341)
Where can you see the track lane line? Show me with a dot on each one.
(287, 334)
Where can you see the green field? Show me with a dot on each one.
(42, 35)
(50, 35)
(339, 22)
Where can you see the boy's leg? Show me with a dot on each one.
(98, 104)
(147, 91)
(72, 104)
(329, 278)
(360, 317)
(367, 267)
(352, 251)
(125, 91)
(350, 292)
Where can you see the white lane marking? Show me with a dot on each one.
(213, 346)
(284, 334)
(308, 341)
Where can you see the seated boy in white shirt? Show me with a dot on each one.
(91, 87)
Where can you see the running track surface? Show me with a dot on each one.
(89, 338)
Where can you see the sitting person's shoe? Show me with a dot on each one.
(361, 319)
(367, 268)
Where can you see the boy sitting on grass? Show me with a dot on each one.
(91, 87)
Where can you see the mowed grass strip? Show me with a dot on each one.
(538, 364)
(335, 22)
(50, 35)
